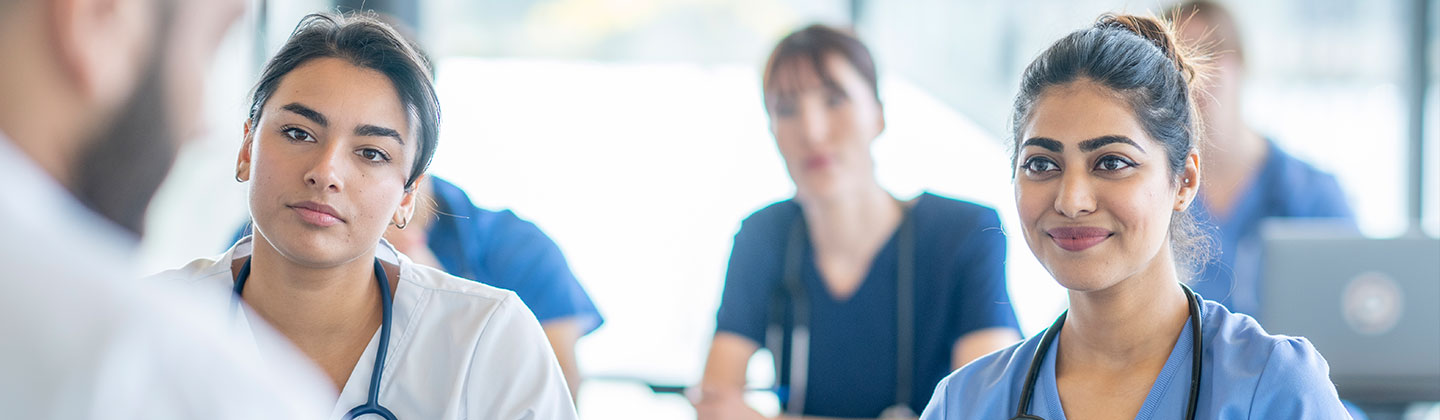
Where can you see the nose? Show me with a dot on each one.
(324, 173)
(814, 124)
(1076, 196)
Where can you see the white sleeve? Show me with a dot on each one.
(198, 369)
(513, 372)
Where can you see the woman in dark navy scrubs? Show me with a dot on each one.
(868, 300)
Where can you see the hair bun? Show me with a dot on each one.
(1158, 32)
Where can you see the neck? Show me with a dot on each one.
(851, 223)
(1133, 323)
(1230, 145)
(312, 304)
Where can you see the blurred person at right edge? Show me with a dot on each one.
(1248, 177)
(95, 99)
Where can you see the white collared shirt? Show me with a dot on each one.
(80, 338)
(458, 349)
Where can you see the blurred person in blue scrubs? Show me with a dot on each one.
(96, 98)
(499, 249)
(1248, 177)
(1107, 162)
(866, 300)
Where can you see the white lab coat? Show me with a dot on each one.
(458, 349)
(80, 338)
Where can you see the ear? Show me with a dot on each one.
(242, 162)
(1189, 181)
(880, 117)
(103, 45)
(406, 212)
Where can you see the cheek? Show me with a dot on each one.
(1142, 207)
(1032, 201)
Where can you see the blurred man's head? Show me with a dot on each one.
(1211, 28)
(100, 92)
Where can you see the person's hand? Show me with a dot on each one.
(724, 405)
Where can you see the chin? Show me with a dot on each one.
(311, 248)
(1080, 275)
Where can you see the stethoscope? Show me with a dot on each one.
(371, 405)
(1054, 331)
(793, 289)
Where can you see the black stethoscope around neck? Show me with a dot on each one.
(792, 289)
(387, 303)
(1021, 412)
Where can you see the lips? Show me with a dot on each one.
(1076, 239)
(317, 214)
(816, 162)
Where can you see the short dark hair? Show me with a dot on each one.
(365, 41)
(1138, 59)
(1222, 35)
(812, 44)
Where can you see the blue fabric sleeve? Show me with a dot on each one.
(1296, 385)
(531, 263)
(745, 302)
(1324, 199)
(984, 301)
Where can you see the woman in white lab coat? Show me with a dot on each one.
(342, 127)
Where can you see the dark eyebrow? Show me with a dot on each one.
(1047, 143)
(373, 130)
(306, 112)
(1098, 142)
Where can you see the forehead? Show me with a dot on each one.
(345, 93)
(1080, 111)
(797, 73)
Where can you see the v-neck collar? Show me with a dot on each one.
(408, 299)
(1177, 366)
(814, 278)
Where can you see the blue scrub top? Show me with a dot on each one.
(959, 288)
(1247, 374)
(1285, 187)
(502, 250)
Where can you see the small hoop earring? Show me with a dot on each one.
(402, 226)
(237, 178)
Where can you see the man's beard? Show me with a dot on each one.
(128, 159)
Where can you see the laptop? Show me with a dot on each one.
(1370, 306)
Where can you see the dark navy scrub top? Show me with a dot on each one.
(959, 288)
(1285, 187)
(502, 250)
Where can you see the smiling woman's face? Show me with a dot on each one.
(329, 158)
(1094, 191)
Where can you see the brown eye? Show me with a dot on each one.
(295, 134)
(1113, 163)
(373, 155)
(1039, 165)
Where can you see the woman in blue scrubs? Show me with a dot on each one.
(867, 300)
(1248, 178)
(1106, 165)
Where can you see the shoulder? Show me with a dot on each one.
(1278, 371)
(192, 272)
(1311, 192)
(985, 388)
(949, 213)
(772, 216)
(448, 287)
